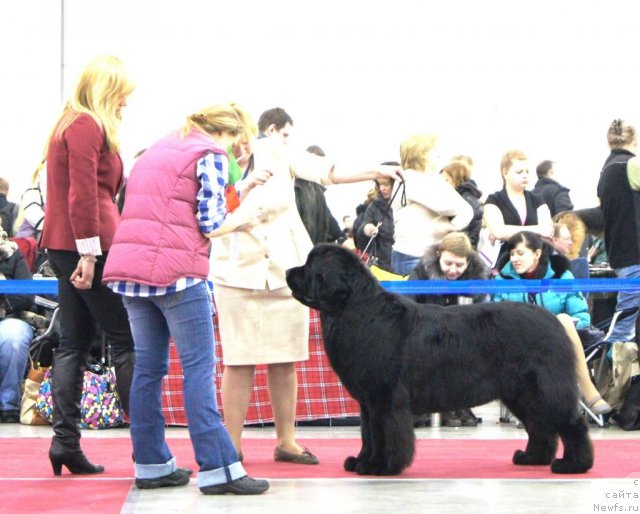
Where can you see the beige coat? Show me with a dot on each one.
(260, 258)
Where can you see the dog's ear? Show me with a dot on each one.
(333, 287)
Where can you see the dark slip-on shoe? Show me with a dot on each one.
(179, 477)
(244, 485)
(306, 457)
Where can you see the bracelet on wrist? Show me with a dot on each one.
(89, 258)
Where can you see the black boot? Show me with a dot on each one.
(123, 363)
(66, 391)
(421, 420)
(450, 419)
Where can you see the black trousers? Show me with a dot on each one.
(81, 309)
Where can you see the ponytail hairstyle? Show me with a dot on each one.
(620, 134)
(221, 118)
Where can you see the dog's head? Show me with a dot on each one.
(328, 279)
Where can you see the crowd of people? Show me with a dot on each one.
(143, 275)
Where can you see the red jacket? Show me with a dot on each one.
(83, 177)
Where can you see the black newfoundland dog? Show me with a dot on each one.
(397, 357)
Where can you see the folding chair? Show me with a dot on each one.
(600, 348)
(38, 343)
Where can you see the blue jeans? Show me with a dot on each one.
(186, 316)
(403, 264)
(15, 336)
(625, 330)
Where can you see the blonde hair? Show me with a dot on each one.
(459, 172)
(577, 229)
(413, 151)
(35, 176)
(458, 243)
(222, 118)
(620, 134)
(509, 157)
(98, 93)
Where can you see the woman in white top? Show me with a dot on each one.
(260, 322)
(428, 210)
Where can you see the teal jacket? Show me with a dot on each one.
(574, 304)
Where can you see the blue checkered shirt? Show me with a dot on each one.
(212, 171)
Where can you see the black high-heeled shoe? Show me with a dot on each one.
(75, 461)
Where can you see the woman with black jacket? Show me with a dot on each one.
(377, 221)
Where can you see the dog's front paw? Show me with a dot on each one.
(364, 468)
(367, 468)
(350, 464)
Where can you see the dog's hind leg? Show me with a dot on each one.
(578, 450)
(543, 439)
(541, 448)
(351, 462)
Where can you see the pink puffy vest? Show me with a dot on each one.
(158, 239)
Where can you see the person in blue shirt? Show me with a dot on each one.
(528, 256)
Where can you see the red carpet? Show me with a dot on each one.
(83, 496)
(435, 459)
(27, 484)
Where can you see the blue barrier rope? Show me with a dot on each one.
(39, 286)
(585, 285)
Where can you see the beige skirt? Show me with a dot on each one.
(261, 326)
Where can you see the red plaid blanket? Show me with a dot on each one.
(320, 393)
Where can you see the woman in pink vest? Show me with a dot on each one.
(84, 173)
(159, 262)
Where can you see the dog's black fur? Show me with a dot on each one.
(397, 357)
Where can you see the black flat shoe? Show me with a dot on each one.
(244, 485)
(179, 477)
(306, 457)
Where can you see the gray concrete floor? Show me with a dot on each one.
(329, 496)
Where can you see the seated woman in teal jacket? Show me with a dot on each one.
(527, 256)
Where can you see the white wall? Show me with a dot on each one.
(357, 76)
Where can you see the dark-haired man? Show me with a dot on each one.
(275, 123)
(554, 194)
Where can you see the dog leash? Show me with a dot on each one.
(403, 202)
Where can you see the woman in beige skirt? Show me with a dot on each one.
(260, 322)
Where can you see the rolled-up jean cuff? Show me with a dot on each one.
(155, 470)
(219, 476)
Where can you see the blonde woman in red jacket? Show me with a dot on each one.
(84, 173)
